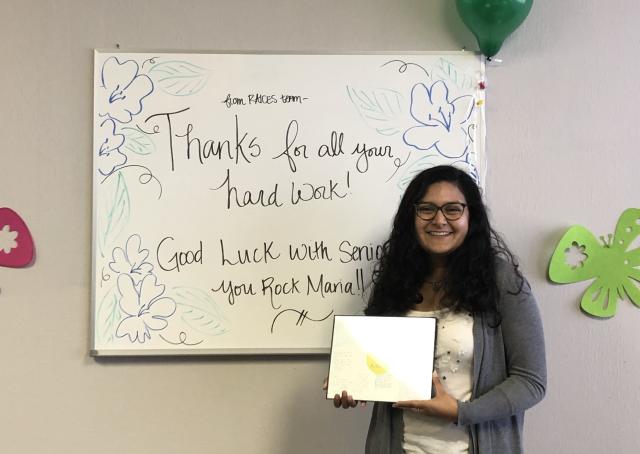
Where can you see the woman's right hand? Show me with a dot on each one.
(343, 400)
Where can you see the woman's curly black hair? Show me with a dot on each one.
(470, 283)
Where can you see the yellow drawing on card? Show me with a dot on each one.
(375, 366)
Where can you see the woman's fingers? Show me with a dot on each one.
(422, 404)
(415, 404)
(347, 400)
(441, 405)
(437, 384)
(344, 400)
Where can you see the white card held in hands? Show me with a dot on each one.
(384, 359)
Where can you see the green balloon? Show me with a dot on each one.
(491, 21)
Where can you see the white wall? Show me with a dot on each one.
(562, 146)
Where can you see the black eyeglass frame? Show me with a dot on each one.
(441, 209)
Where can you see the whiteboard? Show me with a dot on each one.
(240, 201)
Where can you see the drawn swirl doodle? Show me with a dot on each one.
(302, 316)
(397, 163)
(182, 340)
(144, 178)
(105, 277)
(156, 130)
(405, 65)
(151, 60)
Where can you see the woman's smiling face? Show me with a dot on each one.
(440, 236)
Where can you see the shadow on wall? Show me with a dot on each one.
(547, 244)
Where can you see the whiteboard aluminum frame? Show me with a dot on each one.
(105, 352)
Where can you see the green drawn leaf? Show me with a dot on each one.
(431, 160)
(446, 70)
(137, 141)
(179, 78)
(108, 316)
(417, 166)
(381, 109)
(114, 211)
(198, 310)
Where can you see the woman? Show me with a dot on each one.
(443, 259)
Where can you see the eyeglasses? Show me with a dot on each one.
(452, 211)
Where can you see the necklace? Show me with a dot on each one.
(435, 285)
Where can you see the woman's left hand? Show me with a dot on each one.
(442, 405)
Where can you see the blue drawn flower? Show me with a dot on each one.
(109, 154)
(131, 260)
(146, 309)
(125, 89)
(441, 121)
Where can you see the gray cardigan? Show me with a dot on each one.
(509, 376)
